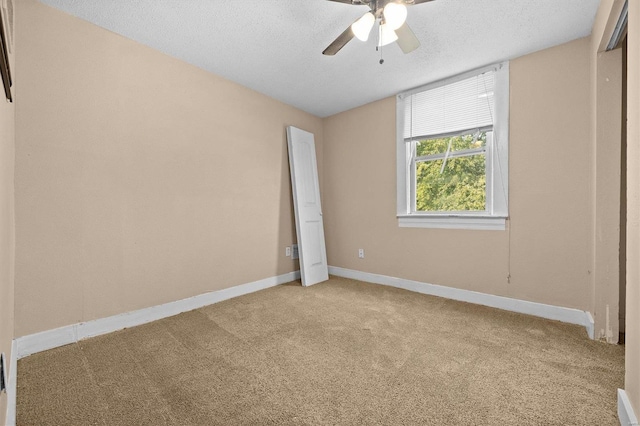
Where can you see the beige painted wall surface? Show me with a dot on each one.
(607, 194)
(632, 352)
(606, 71)
(140, 179)
(549, 175)
(546, 253)
(7, 228)
(606, 19)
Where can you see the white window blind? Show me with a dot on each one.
(462, 105)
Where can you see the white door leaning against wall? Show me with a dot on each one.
(307, 206)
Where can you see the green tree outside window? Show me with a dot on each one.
(461, 184)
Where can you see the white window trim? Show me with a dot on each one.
(497, 214)
(460, 221)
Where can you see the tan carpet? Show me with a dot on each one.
(341, 352)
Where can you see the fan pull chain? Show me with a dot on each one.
(379, 46)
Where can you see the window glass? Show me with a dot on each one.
(451, 174)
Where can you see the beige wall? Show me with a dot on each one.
(605, 146)
(6, 234)
(605, 22)
(606, 194)
(632, 353)
(545, 249)
(7, 230)
(139, 179)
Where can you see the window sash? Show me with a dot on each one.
(462, 132)
(488, 169)
(451, 154)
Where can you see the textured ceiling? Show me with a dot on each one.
(274, 46)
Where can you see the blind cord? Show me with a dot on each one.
(498, 156)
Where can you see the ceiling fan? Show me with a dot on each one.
(391, 15)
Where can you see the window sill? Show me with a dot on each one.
(487, 223)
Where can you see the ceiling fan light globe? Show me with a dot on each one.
(362, 27)
(387, 35)
(395, 14)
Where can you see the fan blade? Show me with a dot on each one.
(339, 42)
(407, 40)
(356, 2)
(410, 1)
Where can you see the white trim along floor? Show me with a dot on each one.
(625, 410)
(558, 313)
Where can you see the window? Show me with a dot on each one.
(453, 152)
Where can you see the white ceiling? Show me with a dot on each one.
(274, 46)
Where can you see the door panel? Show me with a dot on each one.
(307, 206)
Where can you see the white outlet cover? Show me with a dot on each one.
(287, 251)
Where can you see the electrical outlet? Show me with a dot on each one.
(361, 253)
(287, 251)
(294, 251)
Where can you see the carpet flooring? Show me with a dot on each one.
(340, 352)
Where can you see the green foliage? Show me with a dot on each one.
(462, 184)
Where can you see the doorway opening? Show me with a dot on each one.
(623, 199)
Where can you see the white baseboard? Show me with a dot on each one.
(558, 313)
(33, 343)
(625, 410)
(12, 386)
